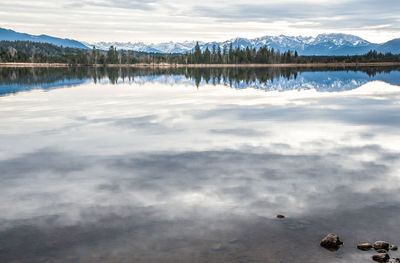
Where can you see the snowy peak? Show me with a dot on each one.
(172, 47)
(300, 43)
(340, 40)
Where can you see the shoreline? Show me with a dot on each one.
(166, 65)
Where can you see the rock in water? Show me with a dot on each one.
(381, 257)
(364, 246)
(331, 241)
(381, 245)
(280, 216)
(218, 247)
(393, 247)
(381, 250)
(234, 241)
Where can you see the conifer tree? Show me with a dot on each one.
(207, 56)
(197, 54)
(214, 54)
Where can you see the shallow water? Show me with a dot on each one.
(179, 165)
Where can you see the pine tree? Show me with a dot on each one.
(230, 54)
(219, 57)
(112, 55)
(213, 54)
(197, 54)
(207, 56)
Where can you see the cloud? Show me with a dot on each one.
(340, 15)
(146, 5)
(160, 21)
(306, 11)
(238, 132)
(44, 160)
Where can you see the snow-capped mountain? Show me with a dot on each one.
(137, 46)
(338, 44)
(323, 45)
(281, 42)
(167, 47)
(172, 47)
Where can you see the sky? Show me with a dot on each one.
(155, 21)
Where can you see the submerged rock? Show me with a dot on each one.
(381, 257)
(393, 247)
(331, 241)
(218, 247)
(234, 241)
(296, 226)
(381, 245)
(381, 250)
(364, 246)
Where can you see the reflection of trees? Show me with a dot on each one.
(227, 76)
(231, 76)
(47, 75)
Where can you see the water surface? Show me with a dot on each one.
(192, 165)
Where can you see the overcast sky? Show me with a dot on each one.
(179, 20)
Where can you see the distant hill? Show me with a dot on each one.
(10, 35)
(392, 46)
(29, 47)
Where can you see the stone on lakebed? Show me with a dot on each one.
(331, 241)
(381, 257)
(381, 245)
(364, 246)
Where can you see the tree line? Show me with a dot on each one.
(34, 52)
(230, 55)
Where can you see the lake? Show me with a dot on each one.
(193, 165)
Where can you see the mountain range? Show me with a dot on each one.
(321, 45)
(167, 47)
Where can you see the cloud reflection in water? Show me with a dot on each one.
(156, 172)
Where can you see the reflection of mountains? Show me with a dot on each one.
(322, 81)
(14, 80)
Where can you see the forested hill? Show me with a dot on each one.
(29, 47)
(11, 35)
(34, 52)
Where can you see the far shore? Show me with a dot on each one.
(166, 65)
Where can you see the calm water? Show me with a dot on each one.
(193, 165)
